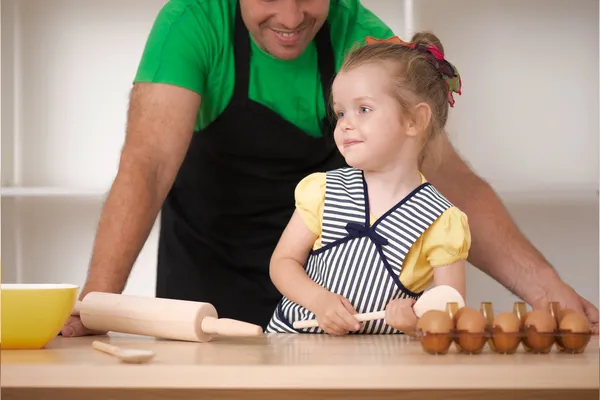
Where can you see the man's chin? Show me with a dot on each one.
(284, 52)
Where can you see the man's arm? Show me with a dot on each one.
(498, 247)
(160, 124)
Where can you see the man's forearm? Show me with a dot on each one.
(160, 123)
(125, 223)
(498, 247)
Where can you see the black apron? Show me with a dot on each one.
(234, 195)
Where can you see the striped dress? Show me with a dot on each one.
(359, 262)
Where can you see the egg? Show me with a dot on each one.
(458, 313)
(563, 312)
(575, 333)
(507, 322)
(470, 325)
(505, 333)
(435, 321)
(541, 320)
(575, 323)
(540, 326)
(470, 320)
(434, 329)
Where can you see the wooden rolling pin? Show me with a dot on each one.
(435, 299)
(160, 318)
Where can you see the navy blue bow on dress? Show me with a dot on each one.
(360, 230)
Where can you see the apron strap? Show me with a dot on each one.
(326, 60)
(241, 54)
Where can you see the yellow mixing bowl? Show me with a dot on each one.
(33, 314)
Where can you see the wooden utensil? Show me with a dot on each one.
(130, 356)
(161, 318)
(434, 299)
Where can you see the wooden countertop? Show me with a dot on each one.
(293, 361)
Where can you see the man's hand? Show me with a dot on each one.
(73, 327)
(591, 312)
(568, 298)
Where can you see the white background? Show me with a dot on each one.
(527, 122)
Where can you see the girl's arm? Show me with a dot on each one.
(452, 275)
(333, 312)
(287, 264)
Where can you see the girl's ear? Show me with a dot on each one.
(418, 120)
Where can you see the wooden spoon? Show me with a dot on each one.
(130, 356)
(434, 299)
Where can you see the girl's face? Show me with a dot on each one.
(369, 131)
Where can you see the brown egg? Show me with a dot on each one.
(539, 326)
(435, 321)
(575, 323)
(435, 327)
(470, 320)
(575, 333)
(541, 320)
(470, 325)
(507, 322)
(506, 337)
(563, 312)
(459, 312)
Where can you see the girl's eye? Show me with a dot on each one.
(365, 109)
(340, 114)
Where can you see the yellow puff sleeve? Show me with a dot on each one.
(310, 197)
(448, 239)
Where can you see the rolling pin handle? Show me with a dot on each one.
(106, 348)
(312, 323)
(229, 327)
(307, 323)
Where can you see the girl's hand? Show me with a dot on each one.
(399, 314)
(334, 313)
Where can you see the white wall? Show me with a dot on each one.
(530, 79)
(530, 87)
(67, 72)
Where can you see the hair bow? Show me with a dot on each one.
(447, 70)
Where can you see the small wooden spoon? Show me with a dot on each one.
(130, 356)
(433, 299)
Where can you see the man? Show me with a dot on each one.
(227, 114)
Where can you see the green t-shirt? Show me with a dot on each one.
(190, 46)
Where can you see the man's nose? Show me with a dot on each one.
(291, 14)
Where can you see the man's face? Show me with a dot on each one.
(283, 28)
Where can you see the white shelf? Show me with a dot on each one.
(44, 192)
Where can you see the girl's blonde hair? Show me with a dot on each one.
(418, 76)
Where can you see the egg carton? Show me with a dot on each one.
(538, 331)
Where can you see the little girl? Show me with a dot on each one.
(374, 235)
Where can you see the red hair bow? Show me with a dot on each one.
(446, 69)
